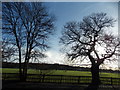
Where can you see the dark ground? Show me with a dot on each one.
(15, 85)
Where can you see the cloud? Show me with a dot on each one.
(54, 57)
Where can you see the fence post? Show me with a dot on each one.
(111, 81)
(61, 79)
(40, 78)
(78, 79)
(43, 78)
(5, 78)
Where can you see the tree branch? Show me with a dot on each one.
(112, 53)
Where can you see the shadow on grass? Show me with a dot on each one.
(16, 85)
(92, 87)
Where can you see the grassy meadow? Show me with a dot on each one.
(60, 72)
(66, 75)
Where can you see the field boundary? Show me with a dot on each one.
(61, 79)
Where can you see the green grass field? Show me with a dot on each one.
(60, 72)
(67, 75)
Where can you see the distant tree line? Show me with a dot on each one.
(44, 66)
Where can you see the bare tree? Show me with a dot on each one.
(29, 25)
(83, 40)
(12, 28)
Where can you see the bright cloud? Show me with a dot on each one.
(54, 57)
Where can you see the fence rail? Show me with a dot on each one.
(61, 79)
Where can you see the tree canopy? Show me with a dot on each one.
(85, 37)
(27, 26)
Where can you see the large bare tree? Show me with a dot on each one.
(86, 38)
(12, 29)
(27, 25)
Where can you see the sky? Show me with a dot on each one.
(74, 11)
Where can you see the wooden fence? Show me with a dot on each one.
(61, 79)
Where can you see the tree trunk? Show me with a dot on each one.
(27, 58)
(20, 72)
(25, 72)
(20, 66)
(95, 78)
(26, 66)
(95, 75)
